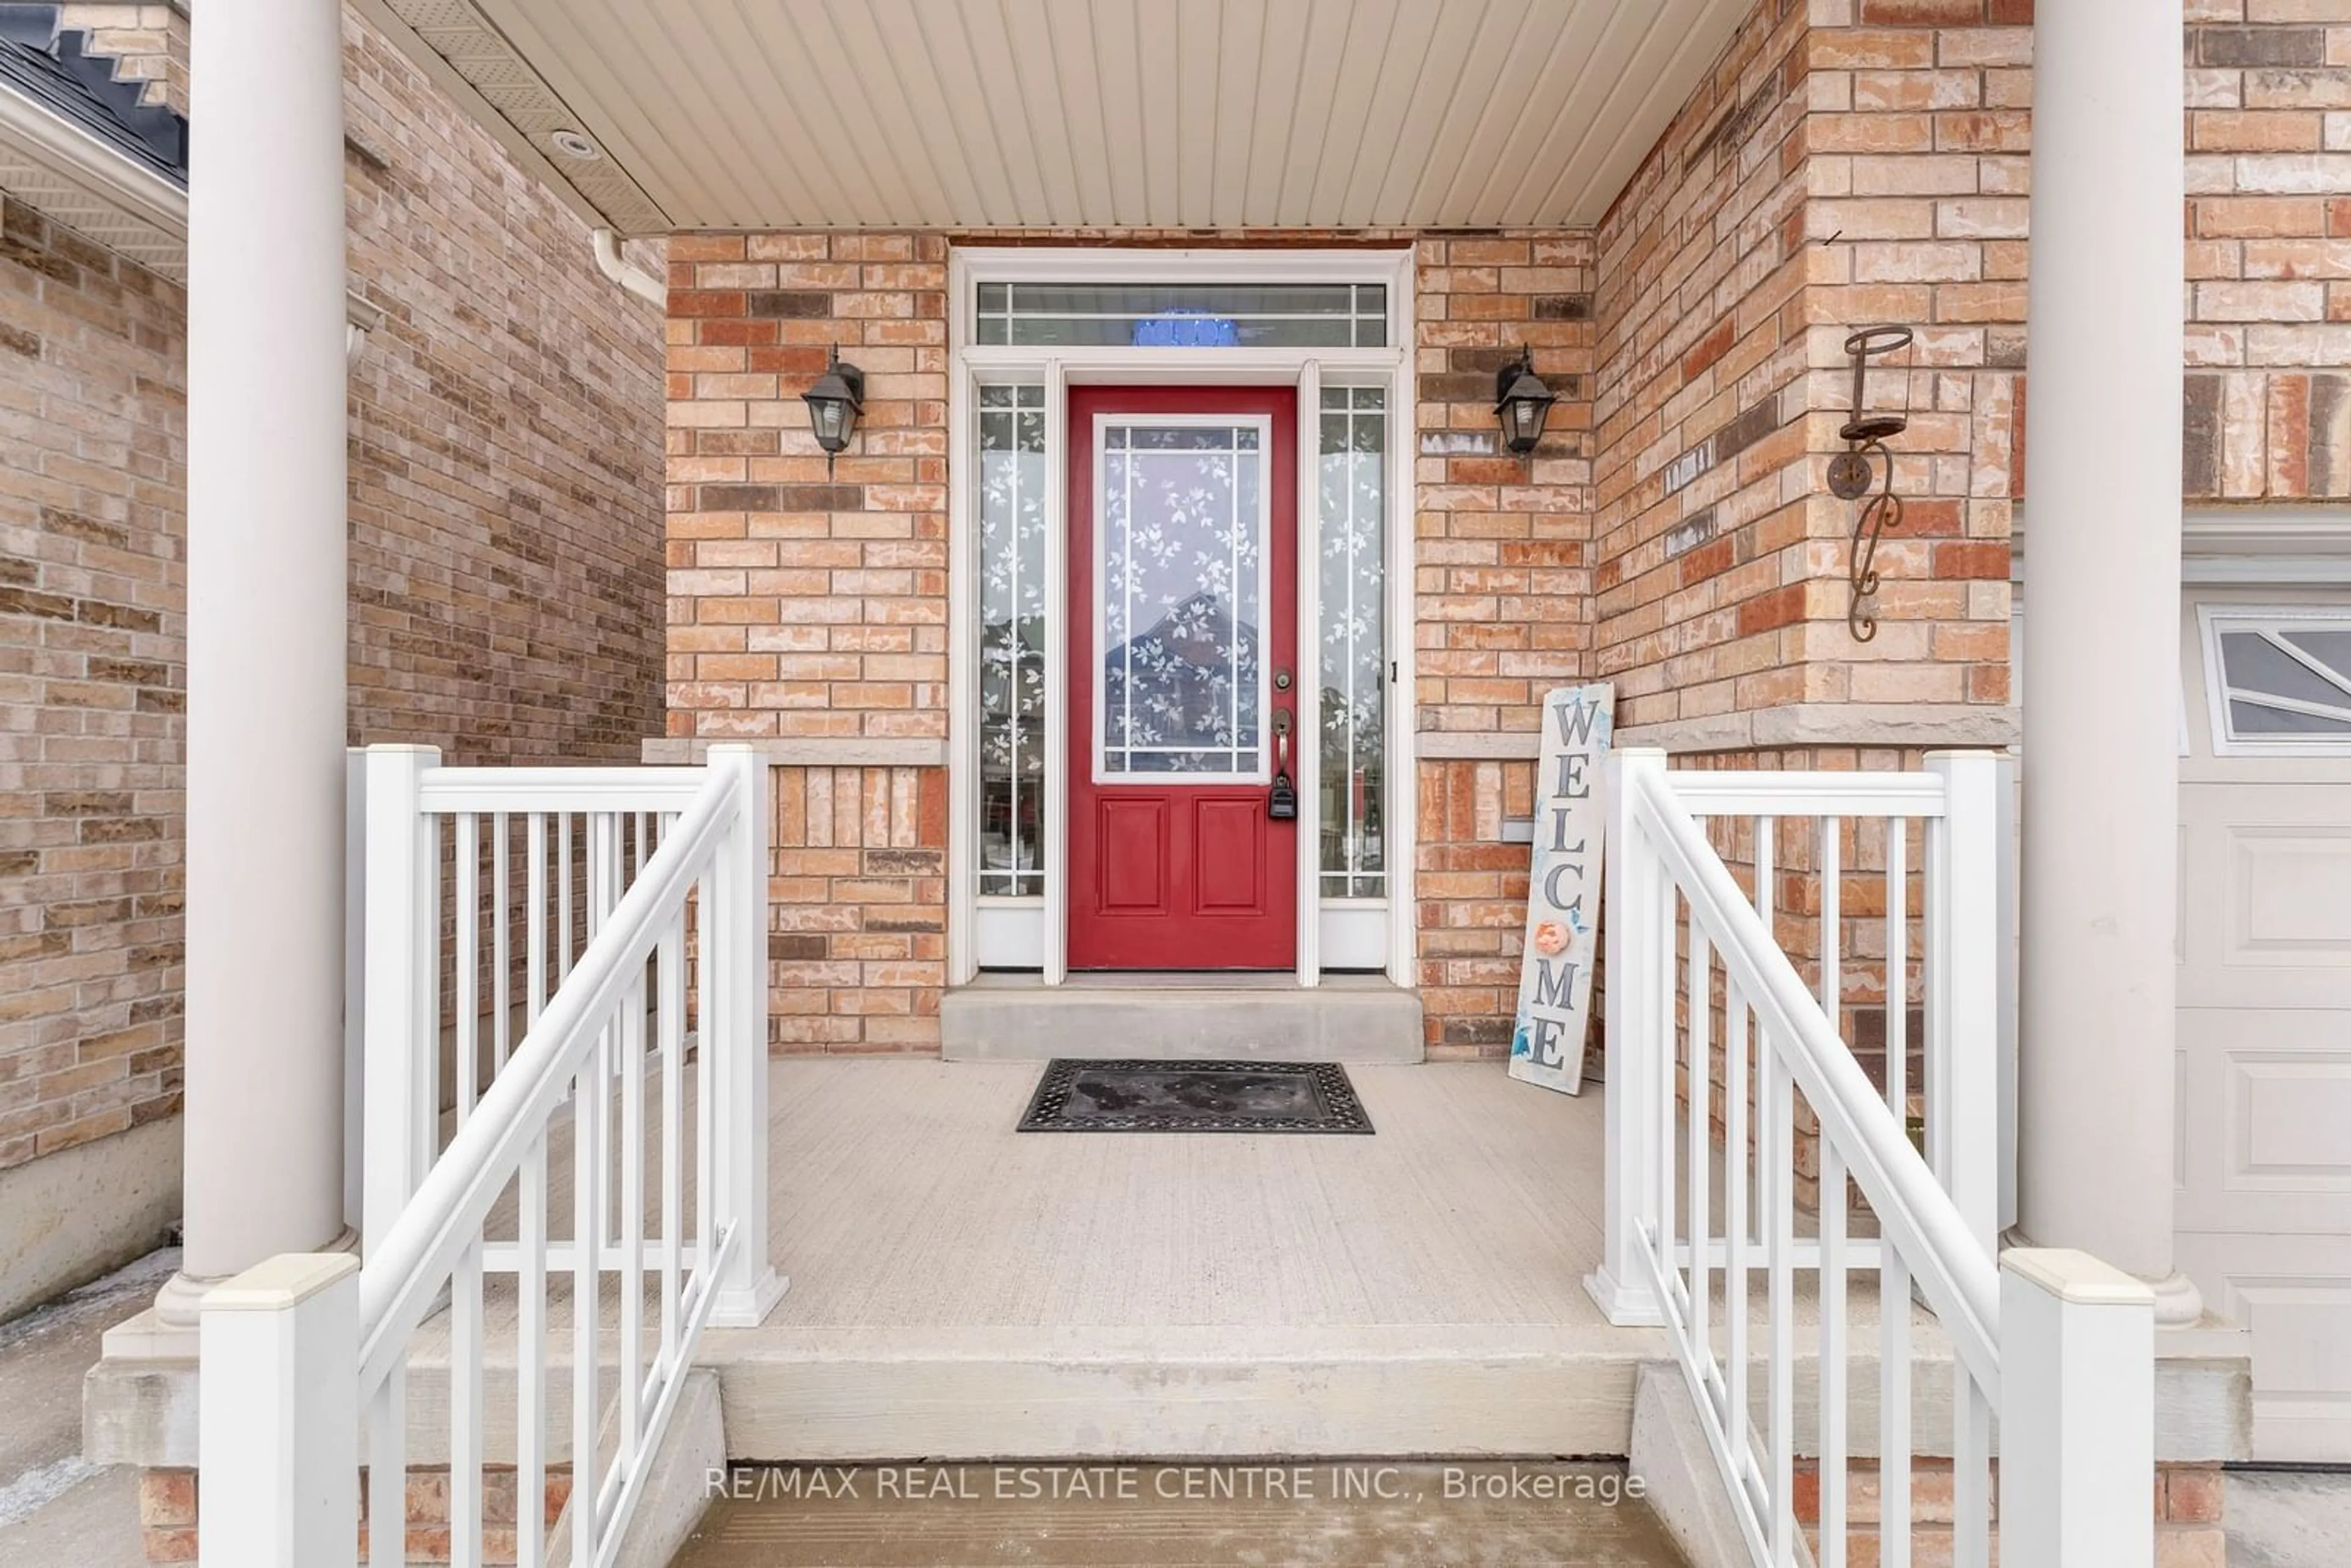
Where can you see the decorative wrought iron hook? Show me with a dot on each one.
(1854, 475)
(1882, 511)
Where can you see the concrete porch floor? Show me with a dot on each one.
(903, 1198)
(962, 1291)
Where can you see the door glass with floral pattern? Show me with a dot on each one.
(1351, 493)
(1012, 624)
(1180, 600)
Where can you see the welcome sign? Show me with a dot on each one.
(1563, 891)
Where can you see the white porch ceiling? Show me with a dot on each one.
(1081, 113)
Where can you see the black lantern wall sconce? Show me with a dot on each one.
(1854, 475)
(1522, 403)
(834, 403)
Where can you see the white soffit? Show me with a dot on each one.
(26, 176)
(57, 167)
(975, 114)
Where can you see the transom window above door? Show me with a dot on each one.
(2281, 680)
(1183, 315)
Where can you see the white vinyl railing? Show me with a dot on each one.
(615, 962)
(1824, 831)
(481, 888)
(1697, 985)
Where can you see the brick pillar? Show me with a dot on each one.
(808, 605)
(1502, 555)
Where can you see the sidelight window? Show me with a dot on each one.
(1352, 480)
(1013, 604)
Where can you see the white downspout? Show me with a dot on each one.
(636, 279)
(362, 315)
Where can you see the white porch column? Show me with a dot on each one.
(2102, 651)
(266, 596)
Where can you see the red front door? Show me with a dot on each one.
(1183, 507)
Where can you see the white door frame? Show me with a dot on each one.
(1307, 369)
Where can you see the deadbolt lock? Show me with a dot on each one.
(1281, 682)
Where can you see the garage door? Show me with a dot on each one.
(2264, 1208)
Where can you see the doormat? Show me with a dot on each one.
(1195, 1097)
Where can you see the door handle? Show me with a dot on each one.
(1282, 801)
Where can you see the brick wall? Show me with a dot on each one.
(1836, 169)
(857, 948)
(1915, 148)
(1915, 152)
(808, 598)
(1844, 162)
(1502, 561)
(2269, 251)
(809, 607)
(1858, 161)
(808, 602)
(506, 448)
(504, 559)
(1472, 892)
(1702, 582)
(1920, 179)
(1501, 542)
(2188, 1505)
(168, 1498)
(92, 521)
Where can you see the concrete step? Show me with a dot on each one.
(844, 1395)
(1182, 1018)
(1316, 1513)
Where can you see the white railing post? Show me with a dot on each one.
(2077, 1413)
(1963, 989)
(1631, 1047)
(277, 1420)
(402, 999)
(354, 987)
(2010, 954)
(734, 1043)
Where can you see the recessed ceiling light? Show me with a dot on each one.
(572, 145)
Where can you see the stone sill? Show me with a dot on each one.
(1909, 724)
(1929, 725)
(813, 752)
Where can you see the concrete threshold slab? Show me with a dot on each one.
(1183, 1017)
(842, 1394)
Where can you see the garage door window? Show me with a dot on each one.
(2281, 681)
